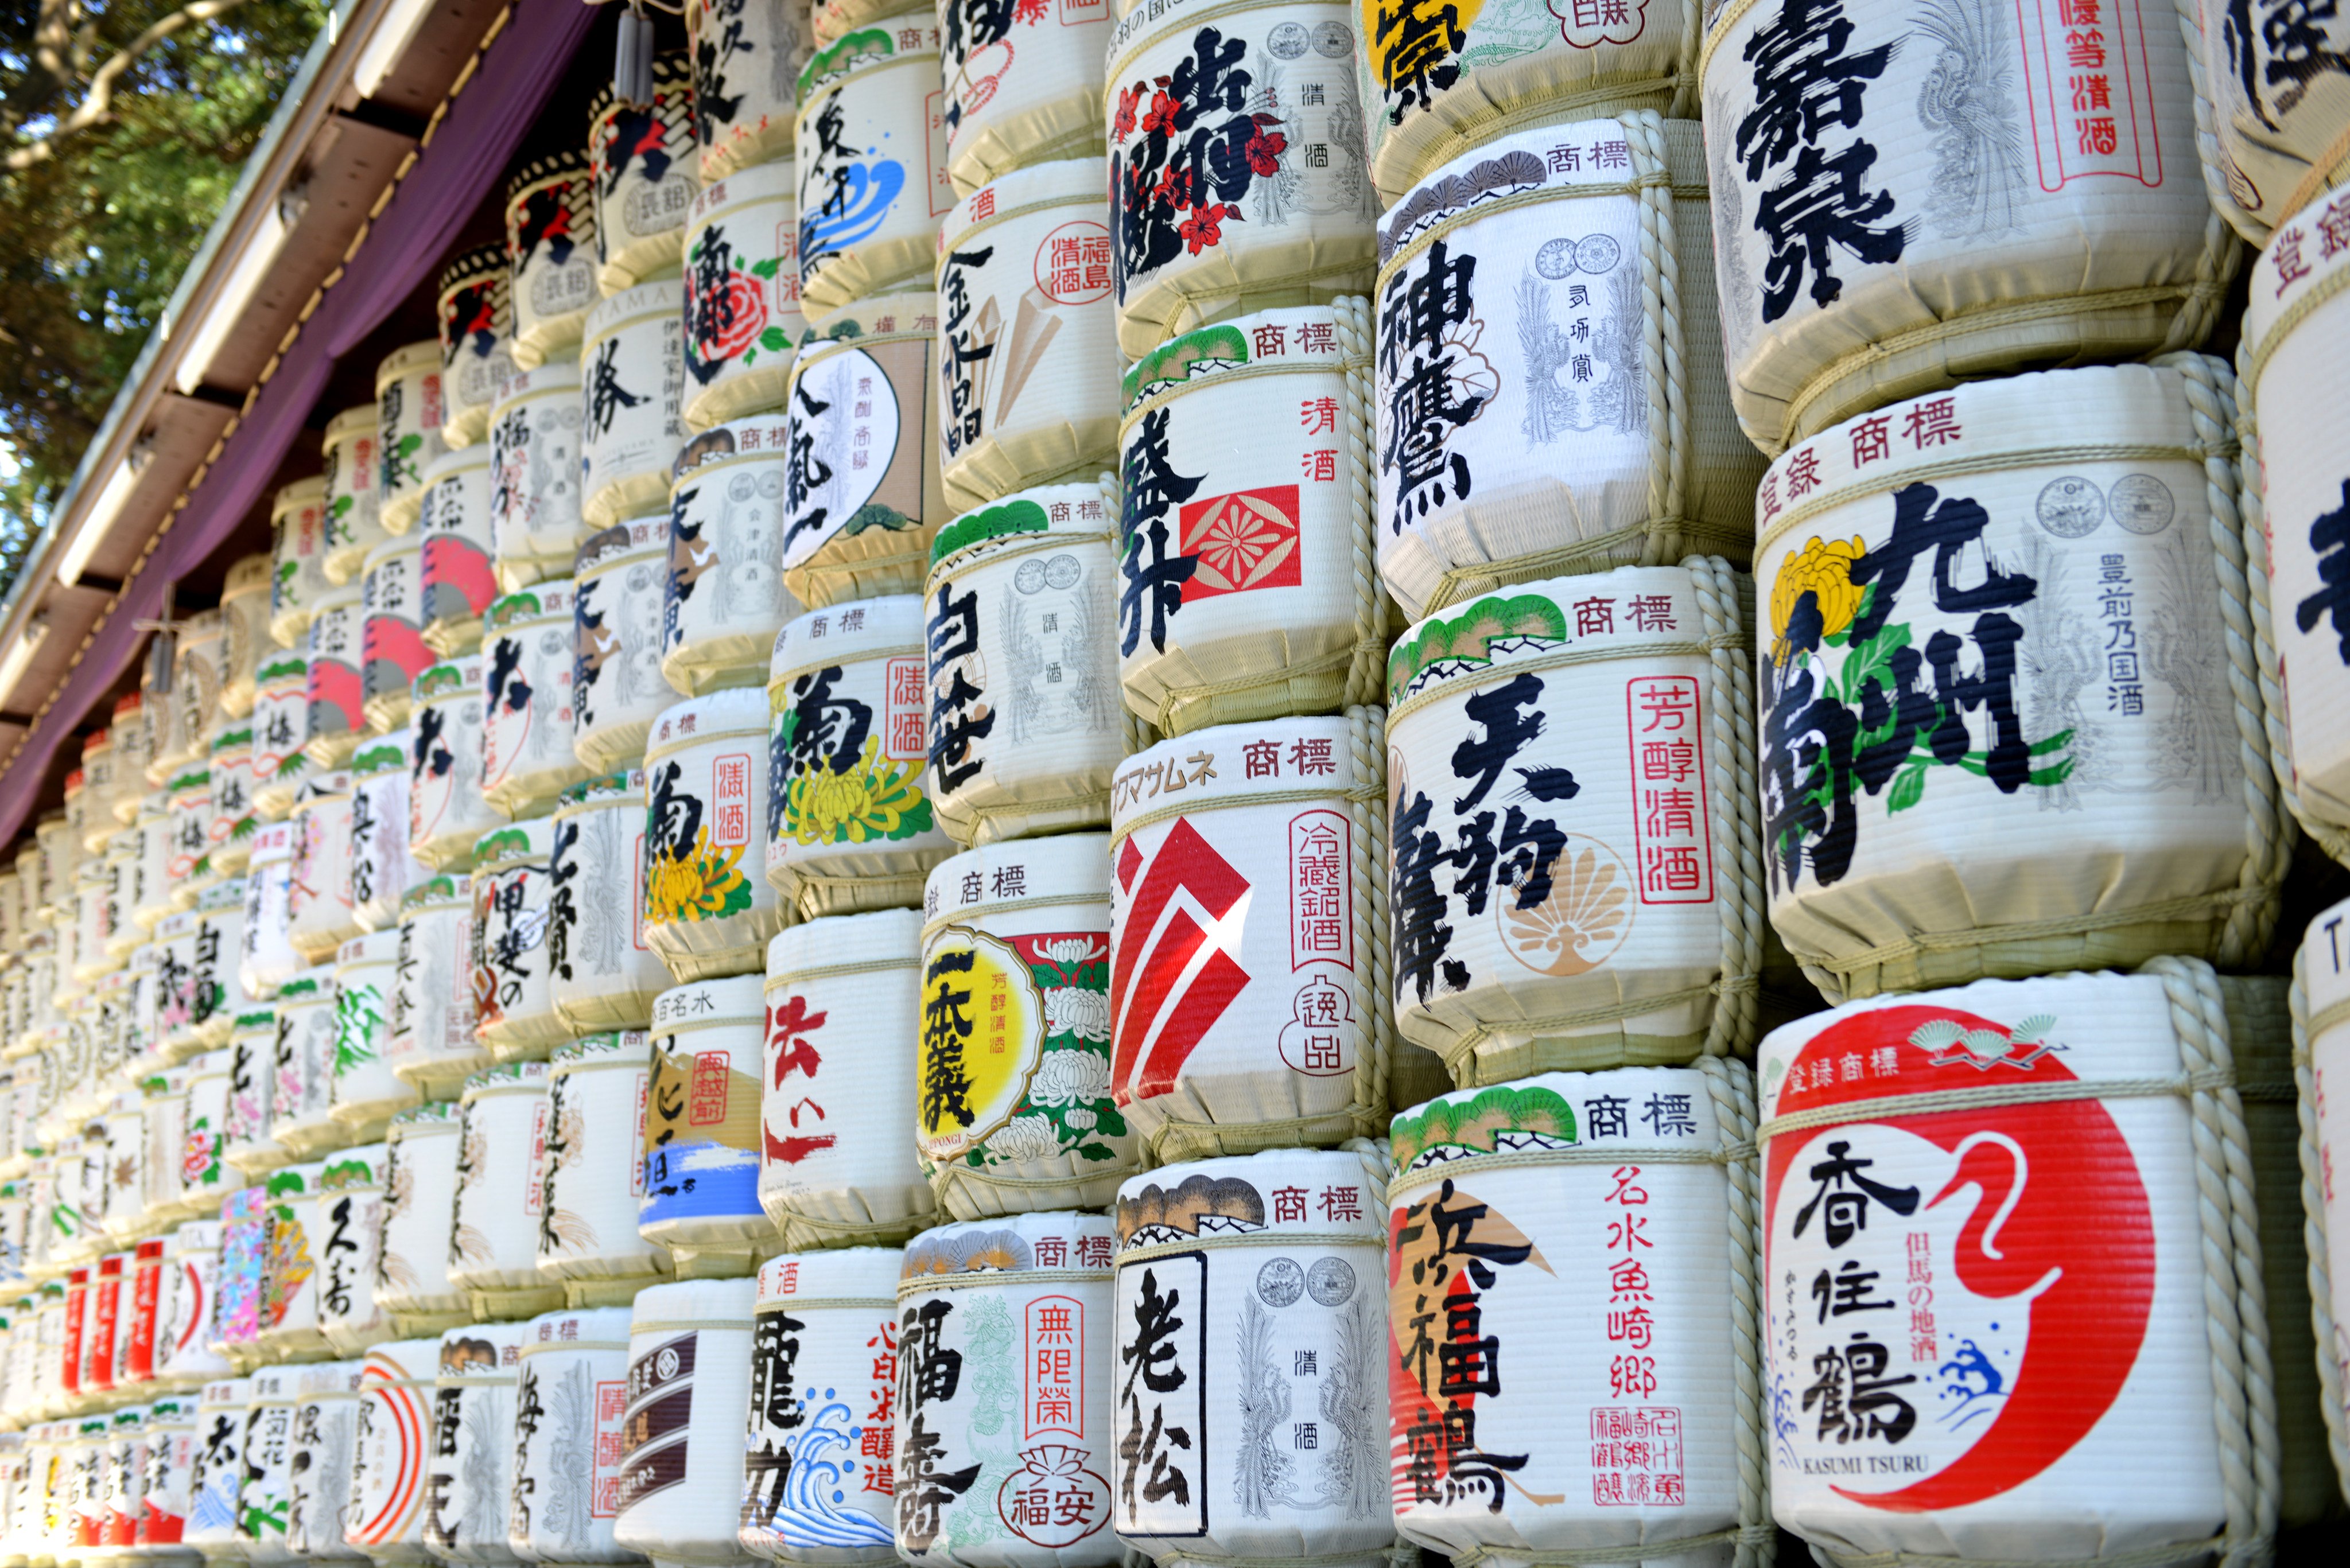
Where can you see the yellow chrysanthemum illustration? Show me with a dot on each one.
(705, 885)
(869, 801)
(1822, 568)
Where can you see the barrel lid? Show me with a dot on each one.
(428, 1120)
(346, 597)
(402, 1361)
(713, 1303)
(260, 1020)
(327, 1378)
(1302, 337)
(227, 1391)
(311, 985)
(875, 936)
(488, 261)
(912, 310)
(995, 879)
(737, 711)
(515, 843)
(618, 1047)
(373, 948)
(549, 600)
(211, 1064)
(126, 706)
(850, 1273)
(1016, 1244)
(310, 492)
(844, 633)
(448, 887)
(763, 438)
(663, 297)
(392, 549)
(506, 1078)
(557, 378)
(353, 1169)
(349, 425)
(481, 1350)
(1202, 1202)
(1471, 644)
(457, 678)
(381, 754)
(568, 162)
(735, 999)
(860, 49)
(226, 741)
(634, 539)
(1062, 181)
(457, 460)
(1041, 512)
(601, 793)
(412, 359)
(775, 181)
(96, 744)
(571, 1328)
(294, 1180)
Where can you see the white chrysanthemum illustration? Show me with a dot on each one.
(1068, 952)
(1081, 1121)
(1074, 1010)
(1025, 1137)
(1069, 1078)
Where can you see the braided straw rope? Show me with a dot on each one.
(2313, 1230)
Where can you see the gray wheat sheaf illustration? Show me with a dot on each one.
(1354, 1458)
(1967, 103)
(2184, 652)
(1079, 700)
(601, 933)
(1261, 1467)
(1731, 275)
(1618, 402)
(481, 1474)
(2061, 655)
(570, 1417)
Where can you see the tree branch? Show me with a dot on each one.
(98, 102)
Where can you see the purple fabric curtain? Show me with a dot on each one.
(468, 155)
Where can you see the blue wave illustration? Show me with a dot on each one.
(811, 1512)
(699, 1181)
(860, 204)
(215, 1509)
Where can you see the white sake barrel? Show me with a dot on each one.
(410, 410)
(170, 1457)
(125, 893)
(469, 1474)
(93, 922)
(1491, 1188)
(2272, 111)
(2059, 1121)
(1015, 1111)
(252, 1095)
(89, 803)
(162, 1131)
(984, 1309)
(1027, 718)
(351, 526)
(446, 812)
(325, 1434)
(289, 1277)
(319, 914)
(229, 763)
(457, 576)
(281, 729)
(349, 1245)
(244, 635)
(2066, 778)
(862, 501)
(133, 742)
(432, 1043)
(1600, 434)
(382, 868)
(1299, 1298)
(264, 1501)
(706, 910)
(204, 1174)
(594, 1173)
(838, 1088)
(155, 833)
(1551, 913)
(476, 310)
(550, 215)
(52, 836)
(391, 633)
(852, 825)
(724, 597)
(514, 1008)
(1024, 87)
(184, 1356)
(393, 1449)
(368, 1088)
(420, 1206)
(741, 274)
(265, 954)
(632, 369)
(818, 1480)
(701, 1139)
(302, 1084)
(643, 159)
(570, 1392)
(1275, 530)
(605, 975)
(749, 60)
(217, 1478)
(620, 579)
(2321, 1007)
(1850, 245)
(298, 521)
(501, 1193)
(870, 152)
(526, 663)
(536, 522)
(123, 1478)
(681, 1475)
(1202, 1063)
(1029, 403)
(1293, 186)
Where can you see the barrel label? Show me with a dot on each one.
(654, 1431)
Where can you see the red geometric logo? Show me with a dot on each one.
(1241, 541)
(1163, 998)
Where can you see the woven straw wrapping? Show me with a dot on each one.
(606, 974)
(620, 582)
(475, 306)
(864, 531)
(550, 215)
(707, 910)
(535, 523)
(644, 159)
(469, 1474)
(743, 284)
(419, 1216)
(745, 112)
(368, 1090)
(432, 1044)
(352, 526)
(2271, 134)
(336, 689)
(245, 616)
(2317, 959)
(725, 599)
(410, 409)
(526, 720)
(701, 1176)
(874, 93)
(501, 1155)
(594, 1171)
(633, 366)
(567, 1438)
(392, 650)
(514, 964)
(459, 580)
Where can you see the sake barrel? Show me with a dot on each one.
(349, 1211)
(297, 522)
(420, 1203)
(264, 1501)
(1015, 1110)
(526, 660)
(1850, 1176)
(851, 825)
(351, 526)
(1297, 178)
(392, 1450)
(50, 835)
(724, 599)
(125, 1478)
(93, 923)
(458, 579)
(392, 650)
(1612, 436)
(470, 1471)
(2261, 1032)
(289, 1272)
(446, 812)
(216, 1474)
(89, 806)
(706, 912)
(281, 730)
(593, 1172)
(368, 1089)
(475, 328)
(252, 1095)
(168, 1458)
(702, 1140)
(319, 914)
(1568, 942)
(513, 1009)
(1199, 1063)
(1024, 1302)
(190, 1278)
(1025, 711)
(1874, 291)
(682, 1472)
(175, 991)
(163, 1128)
(2075, 623)
(871, 151)
(1027, 336)
(748, 59)
(644, 160)
(335, 687)
(604, 973)
(102, 1315)
(535, 474)
(234, 816)
(381, 869)
(633, 368)
(302, 1081)
(133, 750)
(823, 1378)
(838, 1090)
(1024, 87)
(742, 279)
(571, 1378)
(500, 1159)
(244, 633)
(550, 215)
(325, 1435)
(862, 501)
(409, 412)
(265, 954)
(432, 1043)
(619, 579)
(204, 1174)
